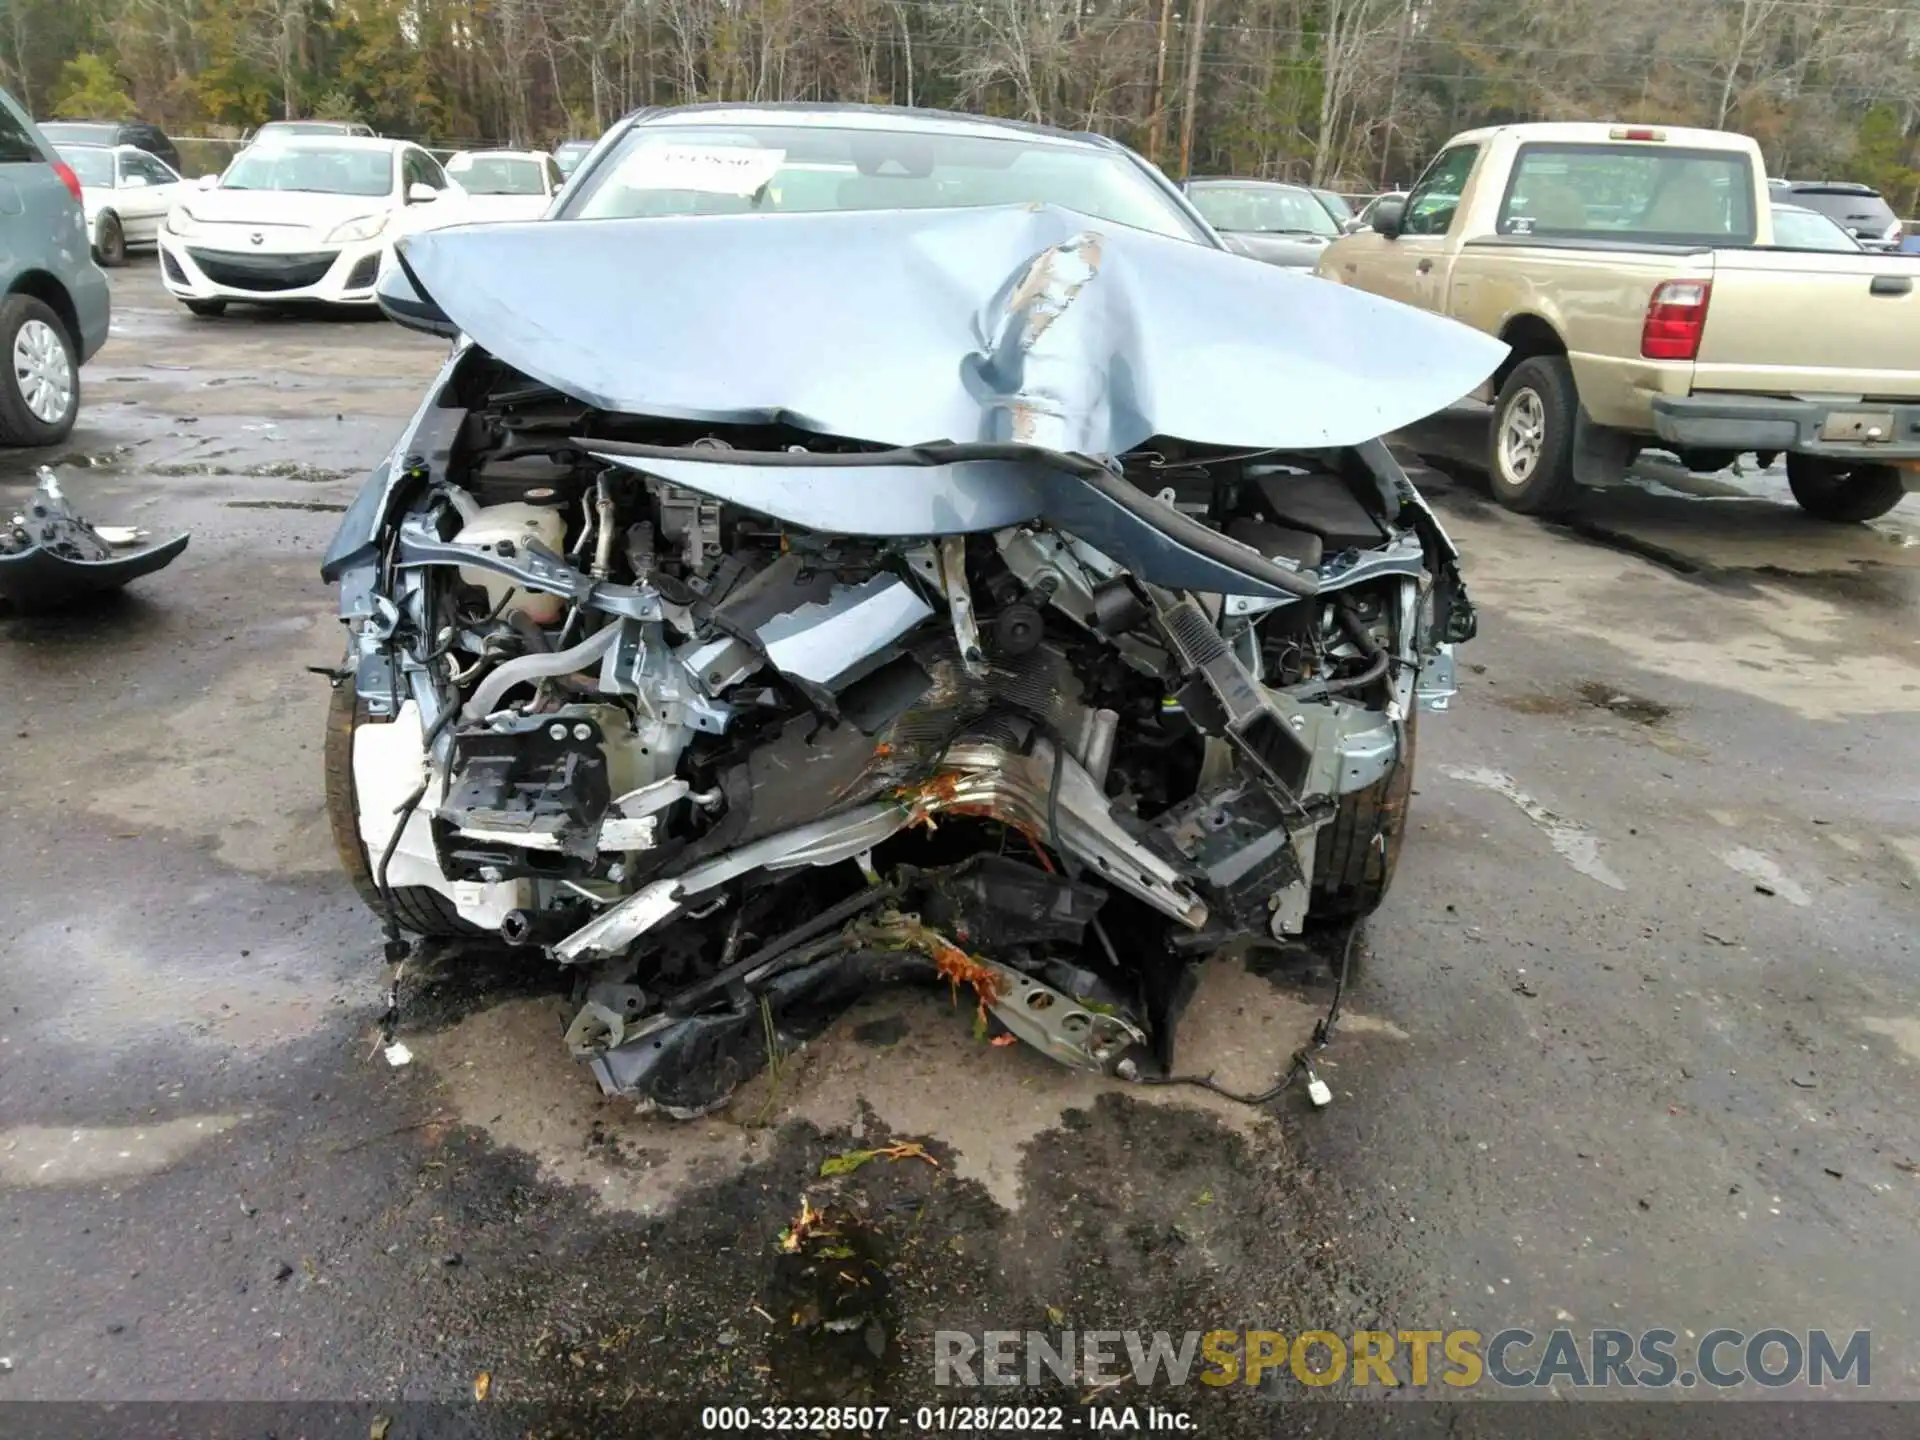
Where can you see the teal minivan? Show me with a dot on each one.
(53, 299)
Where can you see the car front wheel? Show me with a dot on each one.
(40, 392)
(207, 309)
(1842, 492)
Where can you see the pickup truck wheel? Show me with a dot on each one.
(1841, 492)
(417, 908)
(1532, 437)
(1352, 870)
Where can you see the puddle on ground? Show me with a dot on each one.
(1589, 694)
(909, 1055)
(1819, 657)
(41, 1155)
(320, 506)
(1573, 843)
(268, 470)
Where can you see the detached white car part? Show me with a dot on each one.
(302, 218)
(126, 194)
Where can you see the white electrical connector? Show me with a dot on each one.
(1318, 1091)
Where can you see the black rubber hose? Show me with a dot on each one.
(1378, 660)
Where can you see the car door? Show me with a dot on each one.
(1411, 265)
(144, 192)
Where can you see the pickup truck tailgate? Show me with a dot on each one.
(1811, 323)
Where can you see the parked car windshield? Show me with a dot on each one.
(309, 166)
(92, 163)
(1797, 229)
(1262, 209)
(1641, 193)
(739, 169)
(1336, 205)
(497, 174)
(569, 153)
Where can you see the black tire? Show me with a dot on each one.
(1843, 491)
(1351, 874)
(109, 242)
(418, 909)
(207, 309)
(1546, 484)
(37, 357)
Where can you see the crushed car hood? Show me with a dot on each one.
(1024, 324)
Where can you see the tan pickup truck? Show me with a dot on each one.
(1632, 270)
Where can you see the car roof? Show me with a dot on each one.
(900, 119)
(1249, 183)
(113, 147)
(500, 154)
(334, 142)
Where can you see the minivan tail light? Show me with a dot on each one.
(69, 179)
(1676, 316)
(1636, 132)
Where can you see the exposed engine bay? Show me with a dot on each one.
(738, 720)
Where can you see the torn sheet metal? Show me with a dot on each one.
(51, 556)
(1031, 324)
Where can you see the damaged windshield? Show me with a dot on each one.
(738, 169)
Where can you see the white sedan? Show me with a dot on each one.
(126, 194)
(505, 184)
(302, 218)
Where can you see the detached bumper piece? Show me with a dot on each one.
(50, 557)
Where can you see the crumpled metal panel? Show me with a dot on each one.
(1029, 324)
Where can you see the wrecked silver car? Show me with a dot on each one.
(855, 545)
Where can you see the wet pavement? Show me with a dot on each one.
(1633, 1043)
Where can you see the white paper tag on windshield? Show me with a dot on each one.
(711, 169)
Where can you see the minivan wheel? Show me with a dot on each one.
(1531, 438)
(110, 242)
(40, 391)
(1843, 491)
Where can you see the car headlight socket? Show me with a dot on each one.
(364, 228)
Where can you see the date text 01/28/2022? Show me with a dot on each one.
(935, 1419)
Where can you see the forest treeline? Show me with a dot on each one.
(1349, 92)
